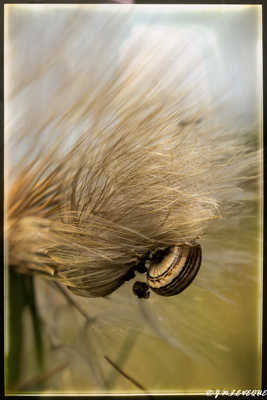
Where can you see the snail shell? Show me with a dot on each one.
(172, 270)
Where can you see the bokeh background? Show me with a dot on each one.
(208, 337)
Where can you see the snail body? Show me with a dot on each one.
(171, 271)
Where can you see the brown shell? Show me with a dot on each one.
(175, 271)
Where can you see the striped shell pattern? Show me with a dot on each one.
(173, 269)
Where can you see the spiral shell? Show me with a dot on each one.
(174, 269)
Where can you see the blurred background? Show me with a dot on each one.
(208, 337)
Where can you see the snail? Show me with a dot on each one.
(170, 272)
